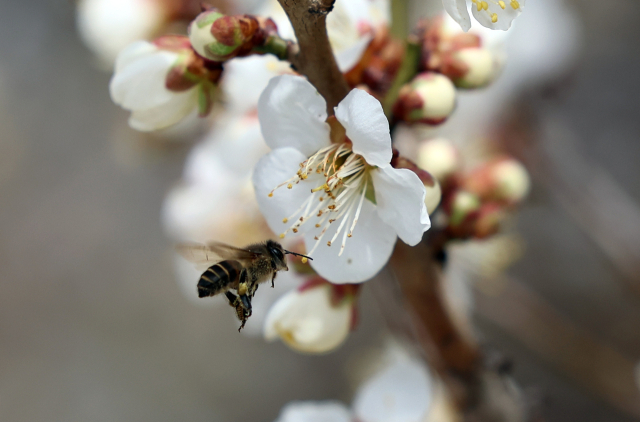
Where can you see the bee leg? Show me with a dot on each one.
(246, 303)
(233, 299)
(254, 289)
(273, 277)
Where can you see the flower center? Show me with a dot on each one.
(341, 179)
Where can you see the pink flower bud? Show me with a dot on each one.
(430, 98)
(503, 179)
(220, 37)
(462, 206)
(472, 67)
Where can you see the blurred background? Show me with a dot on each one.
(94, 327)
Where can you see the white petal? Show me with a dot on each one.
(293, 114)
(364, 255)
(400, 197)
(505, 17)
(133, 52)
(367, 127)
(350, 56)
(457, 9)
(177, 107)
(400, 393)
(306, 321)
(141, 83)
(327, 411)
(273, 169)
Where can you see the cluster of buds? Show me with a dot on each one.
(378, 65)
(219, 37)
(476, 202)
(458, 55)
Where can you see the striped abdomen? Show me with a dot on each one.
(219, 278)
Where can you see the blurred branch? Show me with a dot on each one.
(313, 56)
(527, 317)
(480, 392)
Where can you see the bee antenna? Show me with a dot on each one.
(297, 254)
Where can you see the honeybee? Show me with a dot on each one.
(242, 270)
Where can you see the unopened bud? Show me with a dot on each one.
(462, 205)
(472, 67)
(220, 37)
(430, 98)
(504, 179)
(488, 221)
(439, 157)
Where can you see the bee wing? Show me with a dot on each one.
(205, 256)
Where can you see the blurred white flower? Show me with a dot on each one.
(108, 26)
(162, 82)
(315, 318)
(309, 411)
(346, 189)
(490, 14)
(402, 392)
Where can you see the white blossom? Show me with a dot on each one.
(108, 26)
(343, 193)
(493, 14)
(307, 320)
(309, 411)
(142, 84)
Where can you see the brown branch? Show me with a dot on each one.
(478, 389)
(313, 56)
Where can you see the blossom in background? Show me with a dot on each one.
(108, 26)
(333, 182)
(429, 98)
(315, 318)
(402, 391)
(491, 14)
(162, 82)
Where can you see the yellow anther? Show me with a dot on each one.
(270, 194)
(281, 235)
(329, 243)
(332, 207)
(301, 218)
(304, 260)
(485, 5)
(479, 4)
(315, 237)
(295, 230)
(289, 186)
(319, 188)
(317, 225)
(321, 198)
(501, 3)
(515, 4)
(349, 235)
(284, 220)
(494, 17)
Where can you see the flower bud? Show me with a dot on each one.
(439, 157)
(220, 37)
(472, 67)
(488, 221)
(430, 98)
(316, 318)
(433, 192)
(504, 179)
(461, 206)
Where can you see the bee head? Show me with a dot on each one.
(277, 253)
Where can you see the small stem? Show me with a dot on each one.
(407, 71)
(275, 45)
(399, 19)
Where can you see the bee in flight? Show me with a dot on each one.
(242, 270)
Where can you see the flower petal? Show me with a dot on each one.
(400, 198)
(505, 16)
(178, 106)
(141, 84)
(364, 255)
(307, 322)
(133, 52)
(293, 114)
(367, 127)
(309, 411)
(400, 393)
(275, 168)
(348, 57)
(457, 9)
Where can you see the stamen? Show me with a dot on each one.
(501, 3)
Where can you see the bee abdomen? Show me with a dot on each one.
(219, 278)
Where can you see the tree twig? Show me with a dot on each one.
(313, 56)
